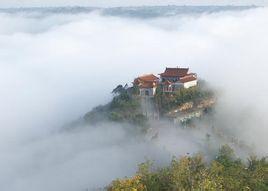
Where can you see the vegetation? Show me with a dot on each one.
(168, 101)
(124, 107)
(225, 172)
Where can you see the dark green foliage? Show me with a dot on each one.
(226, 172)
(115, 116)
(226, 155)
(169, 101)
(96, 115)
(139, 119)
(124, 107)
(135, 90)
(118, 90)
(123, 102)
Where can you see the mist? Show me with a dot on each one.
(55, 68)
(105, 3)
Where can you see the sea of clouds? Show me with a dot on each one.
(55, 68)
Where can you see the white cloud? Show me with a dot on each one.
(53, 69)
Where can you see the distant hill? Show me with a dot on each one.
(130, 12)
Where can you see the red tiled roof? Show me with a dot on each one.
(188, 78)
(146, 81)
(175, 72)
(148, 78)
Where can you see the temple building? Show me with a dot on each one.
(173, 79)
(147, 85)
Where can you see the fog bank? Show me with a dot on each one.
(56, 68)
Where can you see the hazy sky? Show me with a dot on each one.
(108, 3)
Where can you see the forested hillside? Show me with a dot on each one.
(225, 172)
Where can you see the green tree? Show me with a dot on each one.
(226, 172)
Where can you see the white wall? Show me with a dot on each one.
(190, 84)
